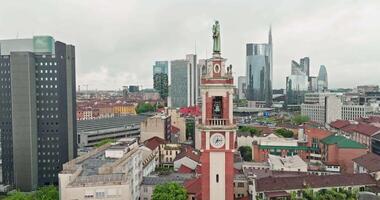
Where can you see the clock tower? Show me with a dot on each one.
(216, 128)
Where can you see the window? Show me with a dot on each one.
(217, 178)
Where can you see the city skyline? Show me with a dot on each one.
(120, 38)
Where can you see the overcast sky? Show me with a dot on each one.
(117, 41)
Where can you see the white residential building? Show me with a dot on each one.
(112, 171)
(289, 163)
(327, 107)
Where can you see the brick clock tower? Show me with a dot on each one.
(217, 128)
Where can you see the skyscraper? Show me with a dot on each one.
(37, 110)
(183, 82)
(160, 78)
(242, 86)
(259, 70)
(297, 84)
(322, 79)
(193, 79)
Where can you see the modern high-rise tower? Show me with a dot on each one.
(217, 130)
(37, 110)
(322, 79)
(183, 82)
(259, 71)
(160, 78)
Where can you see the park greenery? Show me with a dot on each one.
(300, 119)
(104, 141)
(327, 194)
(252, 130)
(169, 191)
(246, 153)
(144, 107)
(43, 193)
(283, 132)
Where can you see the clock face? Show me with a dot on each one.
(217, 140)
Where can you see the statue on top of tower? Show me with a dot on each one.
(216, 37)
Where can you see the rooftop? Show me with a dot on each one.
(174, 177)
(289, 162)
(342, 142)
(370, 161)
(312, 181)
(109, 123)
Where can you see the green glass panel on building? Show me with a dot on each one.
(43, 44)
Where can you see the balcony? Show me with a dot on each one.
(217, 122)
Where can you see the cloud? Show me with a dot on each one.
(118, 41)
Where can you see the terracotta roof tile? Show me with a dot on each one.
(339, 123)
(370, 161)
(193, 186)
(154, 142)
(366, 129)
(312, 181)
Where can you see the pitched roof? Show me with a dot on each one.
(193, 186)
(154, 142)
(370, 161)
(312, 181)
(339, 123)
(349, 128)
(366, 129)
(190, 153)
(184, 170)
(342, 142)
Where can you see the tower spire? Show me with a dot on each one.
(270, 34)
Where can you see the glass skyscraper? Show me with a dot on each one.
(160, 78)
(259, 70)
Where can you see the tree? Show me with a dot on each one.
(246, 153)
(145, 107)
(47, 193)
(284, 132)
(300, 119)
(249, 129)
(169, 191)
(43, 193)
(18, 196)
(103, 142)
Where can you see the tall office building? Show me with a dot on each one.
(322, 79)
(160, 78)
(305, 63)
(183, 87)
(193, 79)
(297, 84)
(37, 110)
(242, 87)
(201, 63)
(259, 71)
(301, 68)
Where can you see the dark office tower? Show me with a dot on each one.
(305, 63)
(259, 71)
(160, 78)
(37, 110)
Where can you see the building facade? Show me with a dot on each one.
(322, 79)
(112, 171)
(158, 125)
(161, 78)
(38, 110)
(259, 70)
(242, 87)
